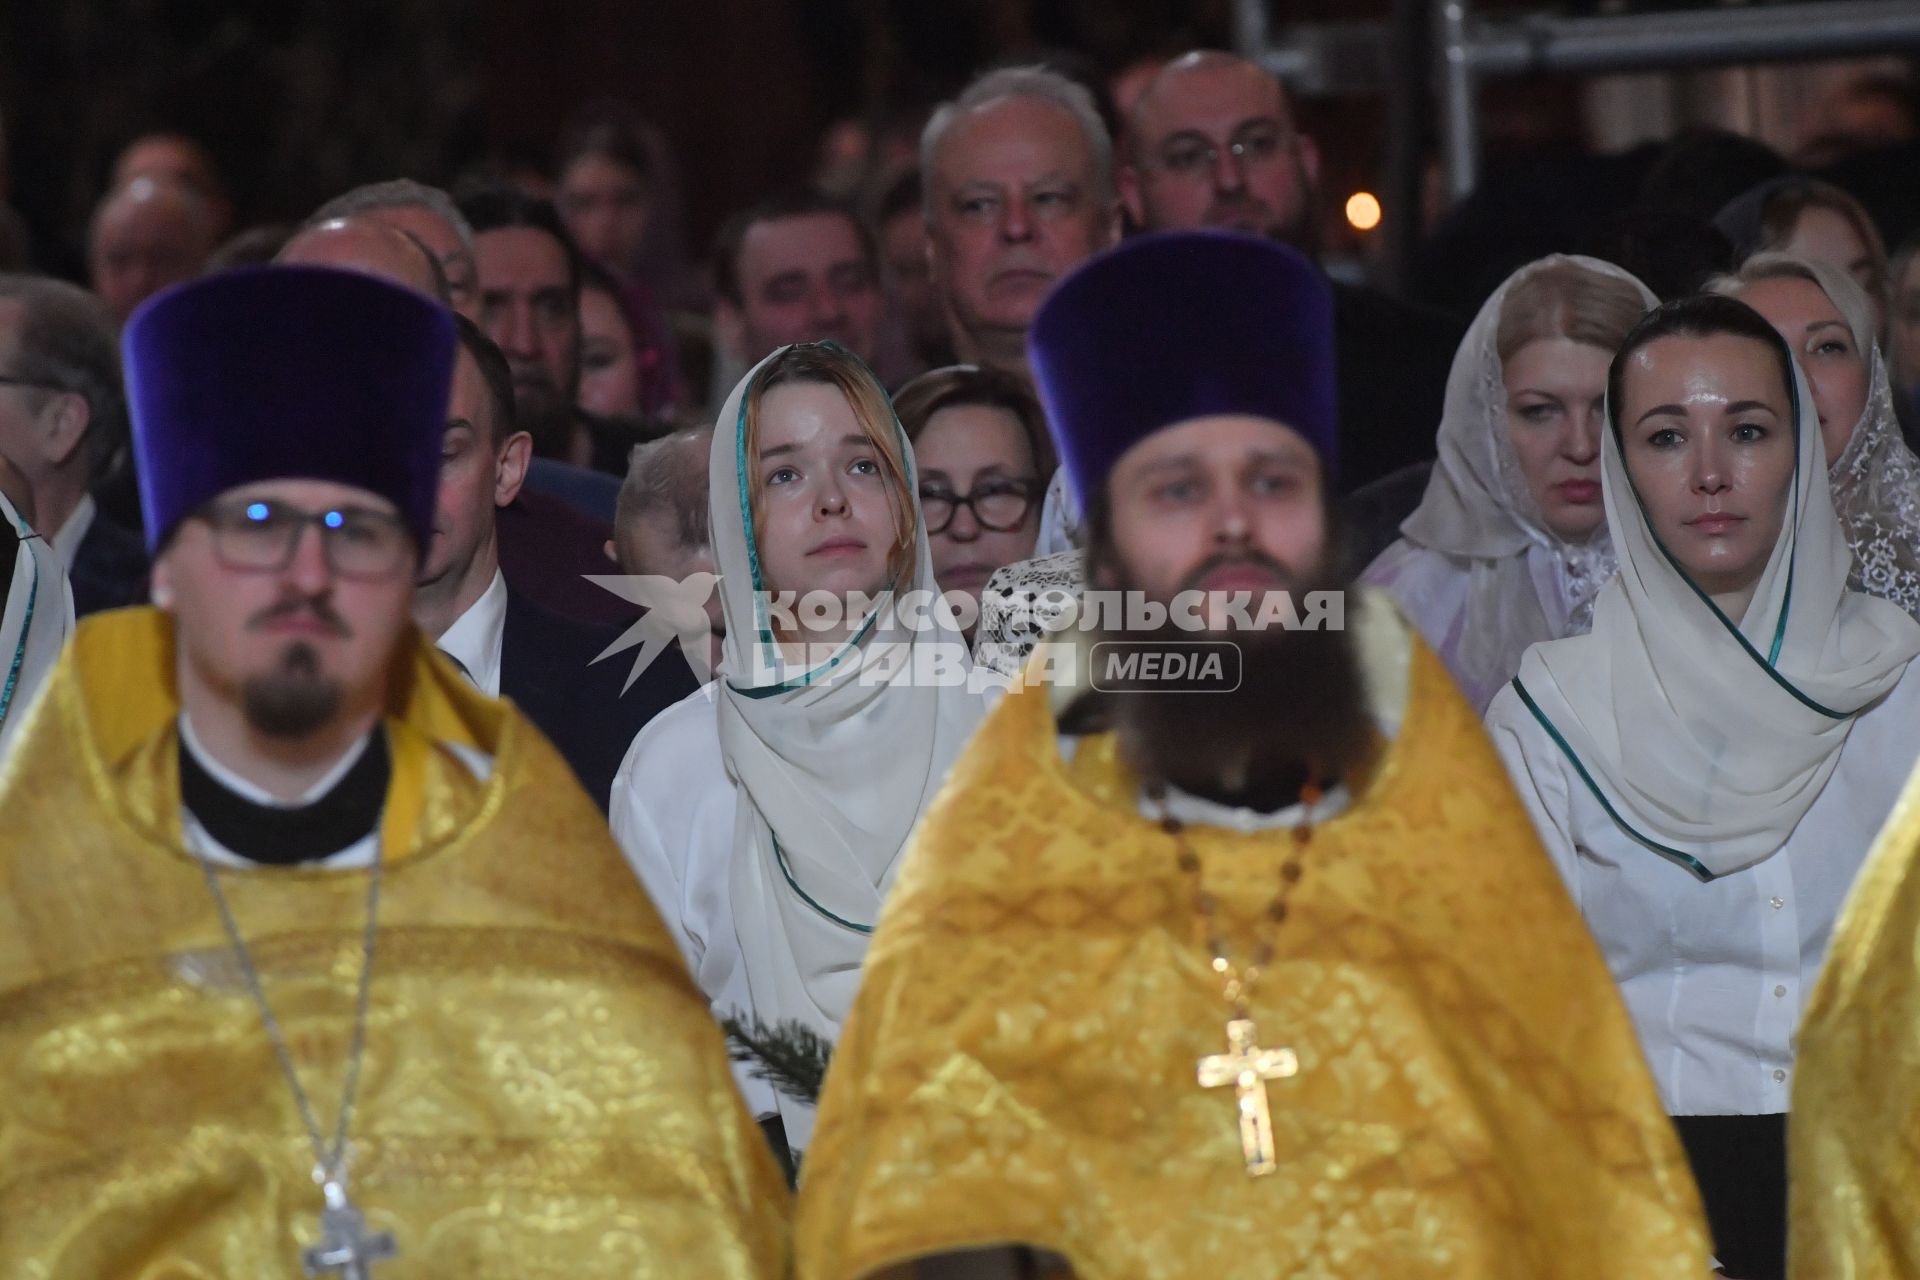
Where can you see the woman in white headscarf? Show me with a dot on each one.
(37, 616)
(766, 813)
(1709, 766)
(1827, 320)
(1508, 546)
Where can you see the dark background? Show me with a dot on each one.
(300, 99)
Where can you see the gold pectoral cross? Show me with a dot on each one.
(1248, 1067)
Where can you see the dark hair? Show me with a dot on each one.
(1701, 169)
(1701, 315)
(496, 208)
(1672, 253)
(253, 247)
(793, 204)
(595, 278)
(494, 372)
(966, 384)
(905, 194)
(608, 128)
(67, 340)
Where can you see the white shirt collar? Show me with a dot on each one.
(475, 637)
(358, 854)
(67, 539)
(248, 791)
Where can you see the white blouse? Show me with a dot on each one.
(1715, 975)
(673, 808)
(1433, 588)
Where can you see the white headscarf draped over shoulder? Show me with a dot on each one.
(37, 621)
(1704, 737)
(1479, 511)
(833, 763)
(1876, 478)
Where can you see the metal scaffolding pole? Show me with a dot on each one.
(1459, 102)
(1355, 57)
(1469, 50)
(1694, 37)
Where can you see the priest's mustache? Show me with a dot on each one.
(1285, 577)
(322, 613)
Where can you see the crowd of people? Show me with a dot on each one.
(711, 799)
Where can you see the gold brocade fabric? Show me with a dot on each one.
(544, 1093)
(1020, 1066)
(1853, 1149)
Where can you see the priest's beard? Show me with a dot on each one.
(1299, 715)
(294, 700)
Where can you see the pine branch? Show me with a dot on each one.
(790, 1056)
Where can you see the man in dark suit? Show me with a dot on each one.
(63, 420)
(1211, 143)
(508, 645)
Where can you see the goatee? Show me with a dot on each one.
(294, 701)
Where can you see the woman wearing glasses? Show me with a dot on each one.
(981, 447)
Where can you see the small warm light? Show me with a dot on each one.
(1363, 210)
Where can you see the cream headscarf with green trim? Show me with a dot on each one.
(834, 764)
(1705, 740)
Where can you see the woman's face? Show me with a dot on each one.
(1906, 323)
(1556, 409)
(1706, 432)
(1827, 235)
(1820, 340)
(605, 206)
(609, 370)
(979, 452)
(826, 511)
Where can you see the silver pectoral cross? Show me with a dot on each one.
(1248, 1067)
(345, 1250)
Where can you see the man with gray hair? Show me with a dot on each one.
(362, 243)
(63, 422)
(1019, 172)
(427, 214)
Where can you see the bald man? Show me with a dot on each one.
(1211, 142)
(149, 234)
(370, 247)
(176, 158)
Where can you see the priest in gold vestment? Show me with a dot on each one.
(314, 961)
(1853, 1151)
(1264, 976)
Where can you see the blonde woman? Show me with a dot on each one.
(766, 813)
(1509, 545)
(1827, 321)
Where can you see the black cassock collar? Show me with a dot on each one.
(348, 813)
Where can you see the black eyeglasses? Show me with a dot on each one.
(263, 535)
(999, 505)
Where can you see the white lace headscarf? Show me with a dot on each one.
(1876, 478)
(1479, 509)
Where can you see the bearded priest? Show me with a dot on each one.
(314, 961)
(1242, 967)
